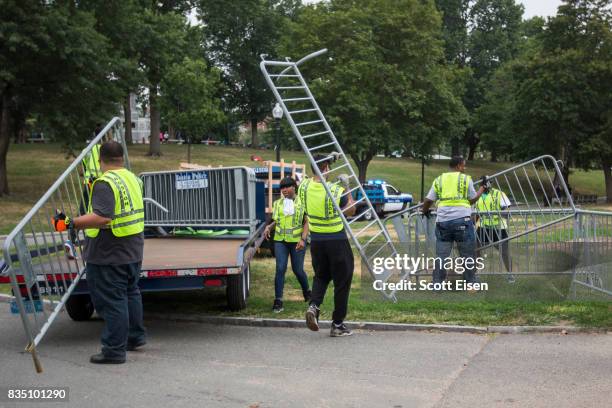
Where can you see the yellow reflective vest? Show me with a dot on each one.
(452, 189)
(489, 203)
(128, 218)
(91, 164)
(288, 228)
(322, 217)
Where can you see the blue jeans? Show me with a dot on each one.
(116, 297)
(282, 251)
(460, 231)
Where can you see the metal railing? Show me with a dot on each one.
(540, 233)
(42, 276)
(217, 197)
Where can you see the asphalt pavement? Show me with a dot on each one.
(201, 365)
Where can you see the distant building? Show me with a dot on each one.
(141, 121)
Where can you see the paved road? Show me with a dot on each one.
(191, 364)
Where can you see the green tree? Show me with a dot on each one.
(55, 65)
(236, 34)
(190, 97)
(120, 21)
(563, 103)
(494, 39)
(163, 41)
(494, 118)
(455, 19)
(384, 83)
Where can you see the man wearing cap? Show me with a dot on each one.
(290, 233)
(332, 256)
(114, 244)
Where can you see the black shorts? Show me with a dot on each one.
(486, 235)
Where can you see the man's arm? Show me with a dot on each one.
(91, 220)
(427, 203)
(475, 195)
(305, 228)
(103, 207)
(349, 201)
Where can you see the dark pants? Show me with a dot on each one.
(487, 235)
(282, 251)
(332, 260)
(460, 231)
(116, 297)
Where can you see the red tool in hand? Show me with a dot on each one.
(61, 222)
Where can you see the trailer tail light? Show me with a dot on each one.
(215, 283)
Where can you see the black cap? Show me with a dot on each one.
(288, 182)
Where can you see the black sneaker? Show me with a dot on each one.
(312, 317)
(339, 330)
(131, 346)
(101, 359)
(307, 295)
(278, 306)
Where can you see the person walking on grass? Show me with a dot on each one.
(290, 227)
(332, 256)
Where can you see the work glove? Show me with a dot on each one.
(485, 182)
(427, 213)
(343, 179)
(61, 222)
(334, 156)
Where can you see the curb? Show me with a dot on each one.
(372, 326)
(377, 326)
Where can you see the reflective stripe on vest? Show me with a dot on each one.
(288, 228)
(489, 203)
(91, 164)
(128, 218)
(452, 189)
(322, 216)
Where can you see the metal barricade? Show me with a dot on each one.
(541, 233)
(42, 276)
(593, 230)
(217, 197)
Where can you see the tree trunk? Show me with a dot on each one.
(4, 142)
(127, 111)
(362, 166)
(254, 133)
(455, 147)
(154, 145)
(471, 140)
(606, 164)
(493, 155)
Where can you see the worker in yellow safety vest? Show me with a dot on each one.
(493, 225)
(454, 194)
(290, 227)
(91, 171)
(332, 257)
(114, 244)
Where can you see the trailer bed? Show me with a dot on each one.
(187, 253)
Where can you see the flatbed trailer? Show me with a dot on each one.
(180, 263)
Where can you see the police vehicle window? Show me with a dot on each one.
(392, 190)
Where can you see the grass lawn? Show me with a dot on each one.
(33, 168)
(480, 310)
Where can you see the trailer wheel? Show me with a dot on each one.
(368, 215)
(237, 290)
(79, 307)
